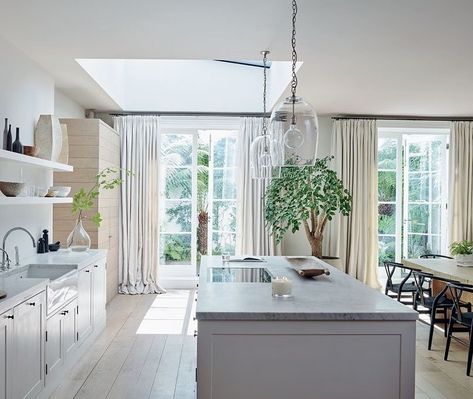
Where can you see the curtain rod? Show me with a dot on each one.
(217, 114)
(406, 118)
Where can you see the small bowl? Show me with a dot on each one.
(54, 247)
(52, 193)
(62, 191)
(30, 150)
(11, 189)
(41, 191)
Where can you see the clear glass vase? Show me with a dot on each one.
(78, 240)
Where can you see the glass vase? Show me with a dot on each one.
(78, 240)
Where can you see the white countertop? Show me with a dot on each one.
(334, 297)
(20, 289)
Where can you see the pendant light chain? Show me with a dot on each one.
(265, 127)
(294, 60)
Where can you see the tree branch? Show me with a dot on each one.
(313, 220)
(308, 233)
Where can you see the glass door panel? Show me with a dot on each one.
(176, 202)
(425, 198)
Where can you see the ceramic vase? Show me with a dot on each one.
(64, 155)
(48, 137)
(78, 240)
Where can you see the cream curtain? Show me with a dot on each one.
(252, 236)
(461, 181)
(355, 238)
(138, 260)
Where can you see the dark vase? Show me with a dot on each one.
(5, 134)
(9, 146)
(17, 146)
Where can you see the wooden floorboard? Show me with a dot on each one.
(125, 364)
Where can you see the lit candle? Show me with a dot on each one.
(281, 286)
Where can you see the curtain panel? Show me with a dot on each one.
(139, 224)
(252, 236)
(355, 238)
(461, 182)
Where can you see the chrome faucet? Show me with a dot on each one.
(5, 239)
(4, 266)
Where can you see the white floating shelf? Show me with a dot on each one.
(34, 200)
(34, 162)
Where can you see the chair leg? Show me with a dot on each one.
(449, 338)
(445, 322)
(470, 352)
(431, 330)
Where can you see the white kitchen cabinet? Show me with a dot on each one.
(6, 332)
(70, 328)
(85, 292)
(60, 339)
(28, 348)
(99, 291)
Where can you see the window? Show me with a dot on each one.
(412, 192)
(197, 205)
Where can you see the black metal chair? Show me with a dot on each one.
(435, 256)
(464, 320)
(434, 303)
(406, 286)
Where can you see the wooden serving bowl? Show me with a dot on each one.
(31, 150)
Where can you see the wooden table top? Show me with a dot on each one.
(446, 268)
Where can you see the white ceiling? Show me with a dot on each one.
(400, 57)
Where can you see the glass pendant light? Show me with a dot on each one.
(294, 124)
(262, 147)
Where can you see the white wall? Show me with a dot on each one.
(26, 91)
(297, 244)
(65, 107)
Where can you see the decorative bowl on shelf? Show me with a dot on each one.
(41, 191)
(31, 150)
(52, 193)
(11, 189)
(62, 191)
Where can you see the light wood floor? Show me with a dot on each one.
(148, 351)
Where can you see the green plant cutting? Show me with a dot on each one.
(310, 196)
(83, 200)
(464, 247)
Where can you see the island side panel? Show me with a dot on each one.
(306, 359)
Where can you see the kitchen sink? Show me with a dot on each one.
(62, 286)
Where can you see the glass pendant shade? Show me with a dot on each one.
(297, 142)
(261, 158)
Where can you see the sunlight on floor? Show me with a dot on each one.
(171, 314)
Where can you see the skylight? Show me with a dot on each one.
(188, 85)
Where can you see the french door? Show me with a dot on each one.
(412, 193)
(197, 199)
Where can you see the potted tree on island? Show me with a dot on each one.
(310, 196)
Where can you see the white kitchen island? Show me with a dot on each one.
(335, 338)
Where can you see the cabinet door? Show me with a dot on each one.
(84, 316)
(69, 328)
(6, 327)
(28, 336)
(54, 345)
(99, 295)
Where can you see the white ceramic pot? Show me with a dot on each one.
(48, 137)
(464, 260)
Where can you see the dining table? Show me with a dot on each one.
(445, 268)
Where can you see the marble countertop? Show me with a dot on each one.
(20, 289)
(334, 297)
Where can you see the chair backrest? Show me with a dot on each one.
(435, 256)
(456, 290)
(423, 282)
(391, 267)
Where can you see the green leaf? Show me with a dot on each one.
(97, 219)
